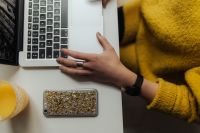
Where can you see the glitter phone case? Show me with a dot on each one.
(70, 103)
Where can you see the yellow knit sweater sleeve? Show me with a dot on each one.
(171, 41)
(132, 19)
(182, 101)
(167, 42)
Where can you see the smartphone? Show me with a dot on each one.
(70, 103)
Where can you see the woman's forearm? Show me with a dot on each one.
(148, 89)
(104, 67)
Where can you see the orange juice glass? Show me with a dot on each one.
(13, 100)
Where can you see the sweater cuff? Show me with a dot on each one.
(131, 20)
(165, 97)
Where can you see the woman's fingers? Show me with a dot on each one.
(73, 63)
(78, 55)
(86, 56)
(75, 71)
(67, 62)
(103, 41)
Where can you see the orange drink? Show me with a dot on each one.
(13, 100)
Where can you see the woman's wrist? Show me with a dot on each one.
(148, 88)
(127, 78)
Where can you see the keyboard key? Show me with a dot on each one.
(29, 19)
(42, 45)
(29, 33)
(56, 11)
(63, 55)
(36, 1)
(35, 33)
(49, 21)
(29, 48)
(49, 35)
(64, 14)
(56, 18)
(56, 39)
(35, 26)
(42, 30)
(56, 32)
(42, 16)
(64, 40)
(36, 7)
(42, 37)
(35, 41)
(30, 12)
(49, 28)
(56, 4)
(64, 46)
(56, 46)
(28, 55)
(49, 52)
(50, 15)
(29, 40)
(49, 1)
(42, 9)
(35, 20)
(56, 25)
(56, 54)
(30, 5)
(29, 26)
(42, 3)
(35, 13)
(64, 32)
(50, 8)
(34, 55)
(42, 23)
(42, 53)
(49, 42)
(34, 48)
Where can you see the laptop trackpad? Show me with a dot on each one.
(86, 19)
(86, 12)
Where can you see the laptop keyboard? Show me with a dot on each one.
(47, 29)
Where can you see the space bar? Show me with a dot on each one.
(64, 14)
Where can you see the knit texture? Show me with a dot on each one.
(165, 48)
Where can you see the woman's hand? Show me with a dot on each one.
(104, 67)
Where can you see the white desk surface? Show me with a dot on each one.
(35, 81)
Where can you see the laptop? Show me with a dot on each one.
(40, 28)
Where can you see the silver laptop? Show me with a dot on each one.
(49, 25)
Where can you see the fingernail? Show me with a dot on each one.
(60, 67)
(58, 60)
(98, 33)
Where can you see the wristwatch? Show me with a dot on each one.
(135, 89)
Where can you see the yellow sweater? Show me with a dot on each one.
(162, 42)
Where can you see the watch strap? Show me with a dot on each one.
(135, 89)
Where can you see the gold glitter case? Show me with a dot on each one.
(70, 103)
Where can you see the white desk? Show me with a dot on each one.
(35, 81)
